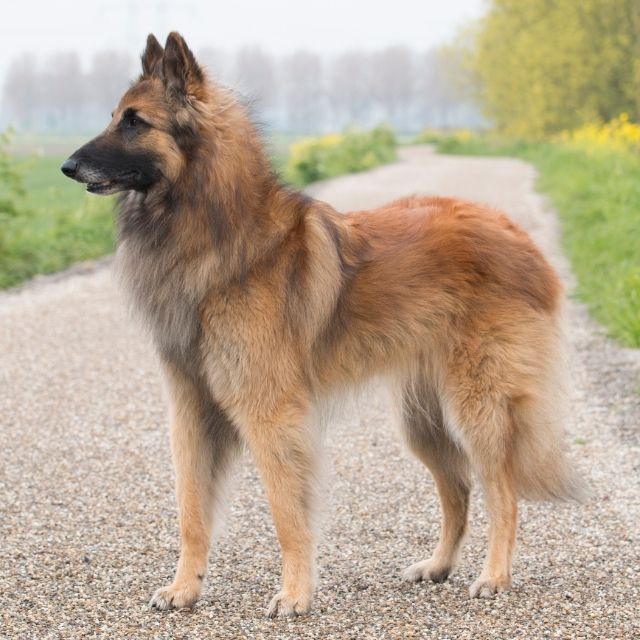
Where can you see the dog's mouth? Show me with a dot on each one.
(113, 185)
(104, 187)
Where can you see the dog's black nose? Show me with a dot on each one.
(69, 167)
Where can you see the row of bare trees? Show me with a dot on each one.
(300, 93)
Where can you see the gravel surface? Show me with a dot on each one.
(88, 526)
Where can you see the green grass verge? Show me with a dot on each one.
(597, 196)
(59, 224)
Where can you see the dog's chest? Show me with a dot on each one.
(162, 292)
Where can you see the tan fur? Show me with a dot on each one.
(262, 302)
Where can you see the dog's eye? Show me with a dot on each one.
(131, 122)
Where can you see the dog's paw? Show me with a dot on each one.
(174, 597)
(489, 587)
(285, 605)
(426, 570)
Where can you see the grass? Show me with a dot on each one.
(597, 196)
(59, 224)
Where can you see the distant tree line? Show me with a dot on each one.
(542, 66)
(58, 95)
(299, 93)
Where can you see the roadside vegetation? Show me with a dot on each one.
(312, 159)
(46, 222)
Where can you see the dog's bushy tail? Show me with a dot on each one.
(542, 468)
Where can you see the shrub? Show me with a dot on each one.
(47, 222)
(11, 188)
(331, 155)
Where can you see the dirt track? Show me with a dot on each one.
(88, 524)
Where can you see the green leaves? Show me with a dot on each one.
(331, 155)
(50, 221)
(11, 187)
(547, 66)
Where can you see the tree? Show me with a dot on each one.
(22, 91)
(256, 78)
(304, 92)
(549, 65)
(65, 88)
(393, 83)
(437, 87)
(349, 88)
(110, 74)
(11, 187)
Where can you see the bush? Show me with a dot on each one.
(44, 241)
(11, 187)
(438, 136)
(47, 222)
(331, 155)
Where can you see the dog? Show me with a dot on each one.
(263, 302)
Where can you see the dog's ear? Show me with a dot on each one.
(152, 58)
(182, 75)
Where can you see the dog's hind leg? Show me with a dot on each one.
(501, 504)
(286, 453)
(203, 444)
(480, 415)
(423, 428)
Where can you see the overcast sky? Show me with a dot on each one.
(280, 26)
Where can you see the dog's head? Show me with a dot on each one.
(152, 127)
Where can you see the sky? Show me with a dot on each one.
(279, 26)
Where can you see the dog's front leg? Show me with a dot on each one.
(286, 450)
(203, 444)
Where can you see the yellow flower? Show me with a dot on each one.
(620, 134)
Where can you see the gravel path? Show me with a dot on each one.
(87, 515)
